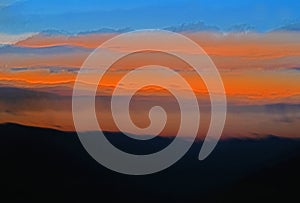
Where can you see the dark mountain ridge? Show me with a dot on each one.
(47, 165)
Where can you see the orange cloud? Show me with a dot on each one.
(254, 67)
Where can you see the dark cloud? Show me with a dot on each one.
(283, 113)
(285, 119)
(296, 68)
(19, 69)
(281, 108)
(56, 69)
(12, 49)
(51, 69)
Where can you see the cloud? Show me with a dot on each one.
(296, 68)
(281, 108)
(51, 69)
(11, 49)
(12, 39)
(19, 69)
(6, 3)
(294, 27)
(193, 27)
(106, 30)
(241, 28)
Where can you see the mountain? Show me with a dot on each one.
(47, 165)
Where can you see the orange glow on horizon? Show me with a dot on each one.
(256, 69)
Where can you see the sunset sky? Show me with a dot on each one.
(254, 44)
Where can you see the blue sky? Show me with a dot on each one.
(19, 16)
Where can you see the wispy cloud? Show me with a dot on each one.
(6, 3)
(193, 27)
(14, 38)
(295, 27)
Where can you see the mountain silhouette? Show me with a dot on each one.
(46, 165)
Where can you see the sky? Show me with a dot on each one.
(20, 16)
(254, 44)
